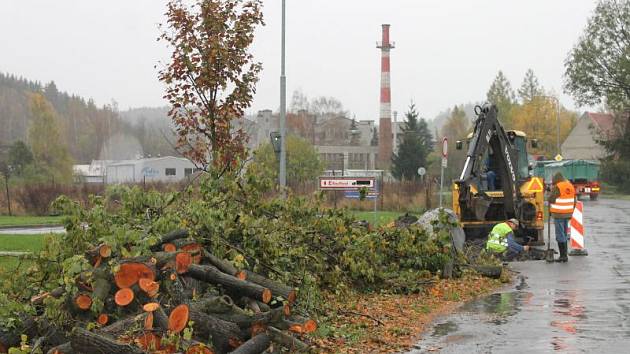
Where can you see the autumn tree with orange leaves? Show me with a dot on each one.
(211, 77)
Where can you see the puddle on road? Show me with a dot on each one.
(442, 329)
(502, 304)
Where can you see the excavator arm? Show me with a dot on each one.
(488, 135)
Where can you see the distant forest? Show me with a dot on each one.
(90, 132)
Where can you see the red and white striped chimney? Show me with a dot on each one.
(385, 121)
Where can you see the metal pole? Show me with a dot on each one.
(6, 185)
(441, 183)
(375, 198)
(283, 108)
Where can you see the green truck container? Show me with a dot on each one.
(584, 174)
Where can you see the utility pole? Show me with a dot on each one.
(283, 109)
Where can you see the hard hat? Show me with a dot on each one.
(514, 222)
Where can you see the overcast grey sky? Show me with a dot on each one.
(447, 51)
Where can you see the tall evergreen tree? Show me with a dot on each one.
(530, 88)
(416, 144)
(502, 95)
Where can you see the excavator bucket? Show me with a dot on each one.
(481, 204)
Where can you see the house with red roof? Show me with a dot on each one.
(582, 141)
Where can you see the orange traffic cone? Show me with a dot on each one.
(576, 230)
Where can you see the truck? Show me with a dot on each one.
(584, 174)
(515, 191)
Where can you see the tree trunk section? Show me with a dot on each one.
(223, 265)
(169, 237)
(160, 320)
(121, 326)
(286, 340)
(84, 341)
(65, 348)
(255, 345)
(223, 333)
(276, 288)
(245, 321)
(216, 304)
(245, 288)
(11, 337)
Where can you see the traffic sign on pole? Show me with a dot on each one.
(445, 147)
(444, 164)
(346, 183)
(422, 171)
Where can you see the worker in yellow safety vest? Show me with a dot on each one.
(501, 240)
(561, 204)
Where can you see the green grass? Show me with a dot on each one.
(382, 217)
(7, 221)
(612, 192)
(23, 243)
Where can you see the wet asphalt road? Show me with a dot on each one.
(582, 306)
(32, 230)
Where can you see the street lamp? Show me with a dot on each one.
(276, 143)
(283, 109)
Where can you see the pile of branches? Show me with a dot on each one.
(179, 298)
(223, 279)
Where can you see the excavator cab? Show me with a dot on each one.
(496, 182)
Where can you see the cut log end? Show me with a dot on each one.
(178, 319)
(292, 296)
(169, 247)
(124, 297)
(148, 322)
(148, 341)
(309, 326)
(102, 319)
(84, 302)
(149, 286)
(130, 273)
(286, 310)
(198, 349)
(195, 250)
(296, 328)
(105, 251)
(257, 328)
(151, 306)
(182, 262)
(266, 296)
(242, 275)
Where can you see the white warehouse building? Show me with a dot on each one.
(158, 169)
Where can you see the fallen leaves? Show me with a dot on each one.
(390, 323)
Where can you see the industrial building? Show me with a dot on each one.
(158, 169)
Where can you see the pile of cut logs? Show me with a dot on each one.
(181, 299)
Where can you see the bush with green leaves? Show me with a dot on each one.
(296, 241)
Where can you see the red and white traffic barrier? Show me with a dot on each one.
(576, 230)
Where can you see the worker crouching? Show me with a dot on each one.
(502, 242)
(561, 204)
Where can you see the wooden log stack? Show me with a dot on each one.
(180, 299)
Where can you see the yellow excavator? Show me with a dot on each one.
(496, 182)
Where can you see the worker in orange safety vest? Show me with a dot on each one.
(561, 204)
